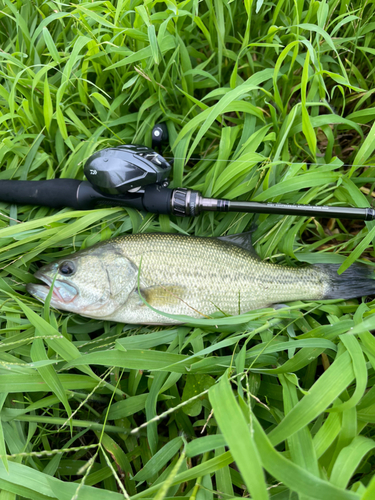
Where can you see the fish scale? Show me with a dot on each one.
(119, 279)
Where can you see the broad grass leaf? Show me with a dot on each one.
(356, 196)
(308, 131)
(159, 460)
(356, 253)
(349, 459)
(35, 383)
(362, 116)
(285, 132)
(300, 444)
(219, 108)
(148, 340)
(199, 22)
(8, 491)
(323, 393)
(205, 444)
(294, 476)
(30, 157)
(259, 5)
(134, 360)
(128, 407)
(251, 84)
(168, 43)
(3, 450)
(189, 128)
(279, 62)
(61, 121)
(327, 434)
(243, 165)
(47, 105)
(342, 81)
(51, 45)
(164, 487)
(320, 258)
(201, 72)
(223, 477)
(38, 483)
(239, 437)
(345, 20)
(311, 179)
(150, 409)
(276, 346)
(120, 458)
(208, 467)
(252, 143)
(370, 491)
(320, 31)
(78, 45)
(77, 122)
(48, 374)
(52, 336)
(307, 128)
(142, 12)
(46, 21)
(328, 119)
(101, 99)
(38, 353)
(360, 370)
(69, 230)
(365, 151)
(153, 43)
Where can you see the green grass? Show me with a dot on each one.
(264, 101)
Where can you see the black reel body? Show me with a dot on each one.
(125, 168)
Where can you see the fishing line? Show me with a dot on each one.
(269, 162)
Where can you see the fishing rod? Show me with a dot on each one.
(137, 177)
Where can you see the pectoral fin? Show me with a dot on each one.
(142, 308)
(159, 296)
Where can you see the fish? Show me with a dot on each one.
(147, 279)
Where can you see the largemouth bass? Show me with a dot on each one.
(119, 279)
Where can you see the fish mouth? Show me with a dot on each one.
(63, 292)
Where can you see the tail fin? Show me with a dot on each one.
(357, 281)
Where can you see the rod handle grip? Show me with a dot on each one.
(55, 193)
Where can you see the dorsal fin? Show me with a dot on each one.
(242, 240)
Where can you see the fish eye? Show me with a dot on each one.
(67, 268)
